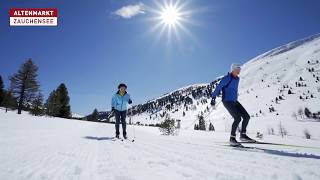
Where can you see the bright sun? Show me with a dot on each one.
(170, 15)
(171, 18)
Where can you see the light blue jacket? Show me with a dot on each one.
(229, 87)
(120, 102)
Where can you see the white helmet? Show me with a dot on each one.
(235, 67)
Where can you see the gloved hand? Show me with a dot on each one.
(213, 102)
(130, 101)
(113, 109)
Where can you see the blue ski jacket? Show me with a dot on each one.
(229, 87)
(120, 102)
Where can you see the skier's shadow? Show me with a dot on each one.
(99, 138)
(289, 154)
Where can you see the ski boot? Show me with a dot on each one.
(125, 137)
(117, 136)
(247, 139)
(233, 142)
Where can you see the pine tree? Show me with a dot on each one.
(57, 104)
(9, 102)
(307, 112)
(2, 93)
(202, 123)
(167, 127)
(94, 116)
(211, 127)
(37, 105)
(52, 104)
(24, 84)
(64, 109)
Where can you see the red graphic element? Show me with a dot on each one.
(33, 12)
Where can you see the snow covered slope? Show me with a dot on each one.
(76, 115)
(275, 88)
(54, 148)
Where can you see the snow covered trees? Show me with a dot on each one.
(306, 113)
(24, 84)
(202, 124)
(57, 103)
(167, 127)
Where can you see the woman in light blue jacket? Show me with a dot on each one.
(119, 103)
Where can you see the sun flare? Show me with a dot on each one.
(170, 16)
(171, 20)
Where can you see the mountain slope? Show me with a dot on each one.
(275, 88)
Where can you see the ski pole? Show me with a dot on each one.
(109, 115)
(133, 128)
(215, 107)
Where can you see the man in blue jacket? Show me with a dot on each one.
(229, 87)
(119, 103)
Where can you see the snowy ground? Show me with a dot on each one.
(53, 148)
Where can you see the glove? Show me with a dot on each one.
(113, 109)
(213, 102)
(130, 101)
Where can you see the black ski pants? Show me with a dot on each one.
(237, 111)
(120, 118)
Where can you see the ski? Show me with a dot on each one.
(280, 144)
(125, 139)
(130, 140)
(118, 139)
(243, 148)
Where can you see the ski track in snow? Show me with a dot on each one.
(53, 148)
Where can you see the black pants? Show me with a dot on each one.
(237, 111)
(121, 117)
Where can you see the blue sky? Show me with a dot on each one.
(95, 46)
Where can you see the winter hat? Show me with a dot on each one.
(122, 85)
(235, 67)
